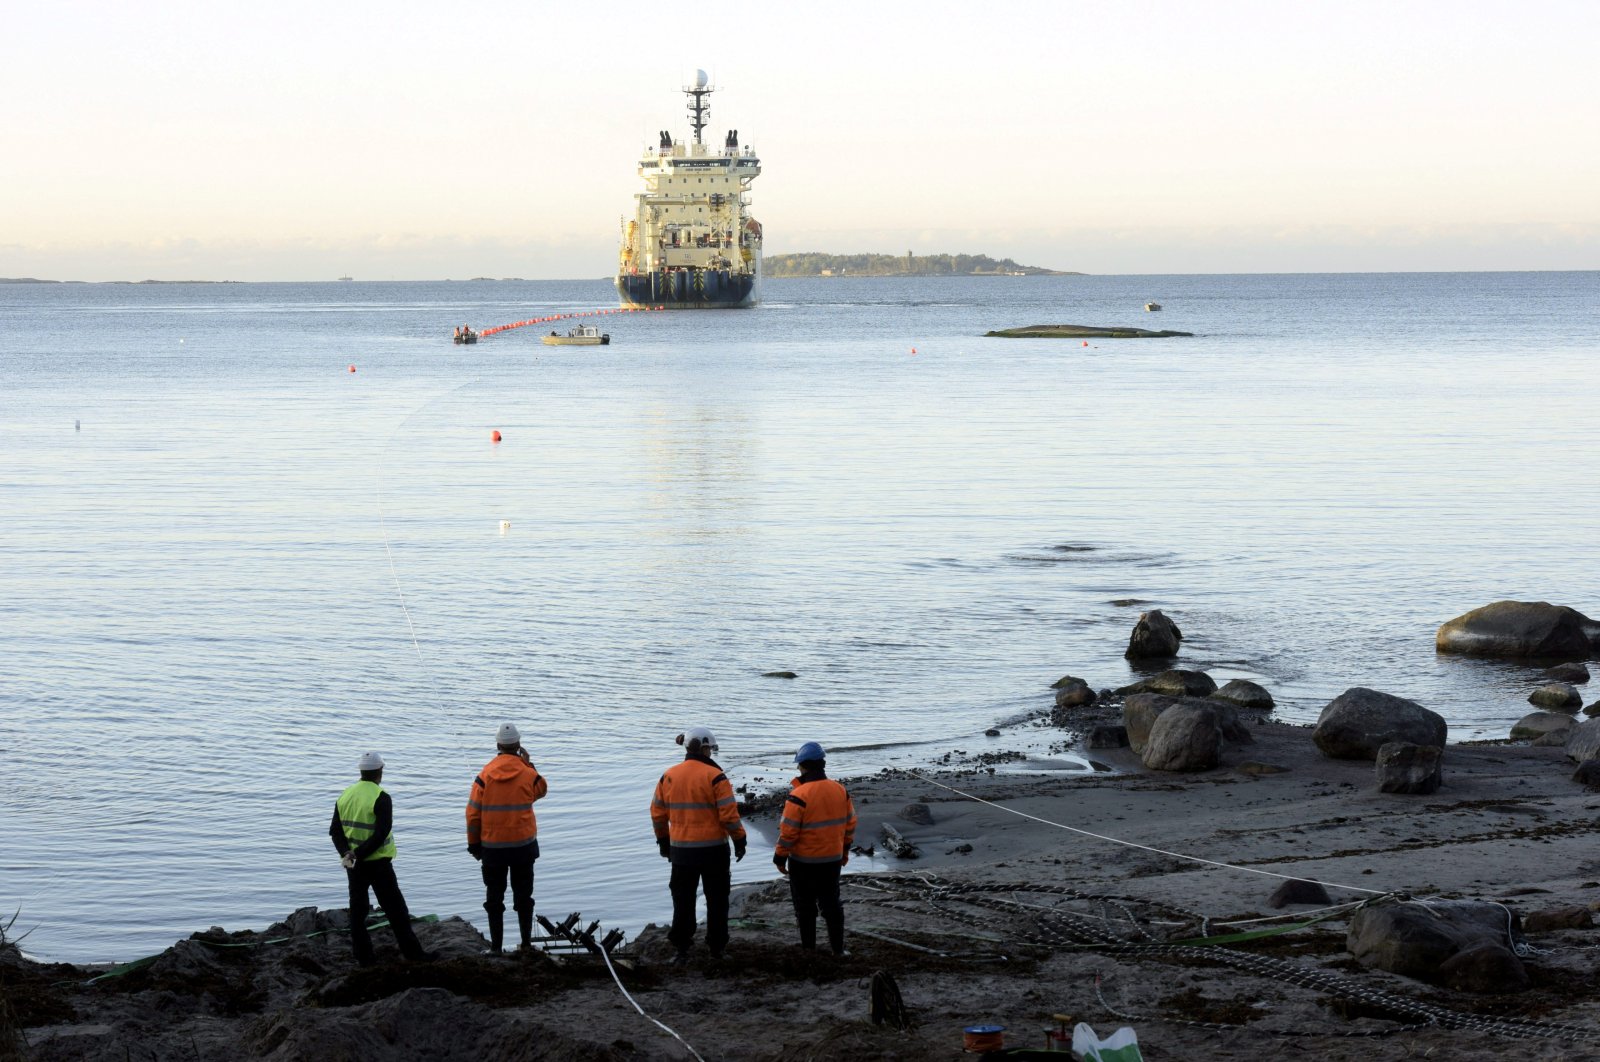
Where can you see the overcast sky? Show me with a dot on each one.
(401, 140)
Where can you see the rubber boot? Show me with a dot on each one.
(525, 924)
(497, 931)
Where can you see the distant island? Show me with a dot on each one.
(817, 264)
(36, 280)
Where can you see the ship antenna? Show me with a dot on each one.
(699, 102)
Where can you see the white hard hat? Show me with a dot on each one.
(508, 734)
(370, 761)
(699, 735)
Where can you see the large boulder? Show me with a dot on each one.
(1245, 694)
(1140, 711)
(1536, 725)
(1404, 768)
(1520, 630)
(1185, 737)
(1416, 939)
(1360, 721)
(1154, 636)
(1486, 968)
(1139, 714)
(1583, 741)
(1074, 695)
(1557, 696)
(1174, 683)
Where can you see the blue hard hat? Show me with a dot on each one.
(810, 751)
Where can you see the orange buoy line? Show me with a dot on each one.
(564, 316)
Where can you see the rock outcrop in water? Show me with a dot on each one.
(1154, 637)
(1520, 630)
(1061, 331)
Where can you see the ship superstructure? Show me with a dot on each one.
(691, 243)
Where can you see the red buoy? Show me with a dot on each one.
(495, 435)
(352, 368)
(1085, 342)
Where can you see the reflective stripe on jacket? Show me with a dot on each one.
(500, 806)
(694, 806)
(357, 815)
(819, 822)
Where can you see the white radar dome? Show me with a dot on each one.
(700, 79)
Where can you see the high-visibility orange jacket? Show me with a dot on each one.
(500, 807)
(694, 806)
(819, 821)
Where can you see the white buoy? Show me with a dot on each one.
(505, 525)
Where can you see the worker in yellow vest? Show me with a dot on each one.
(503, 835)
(363, 832)
(694, 815)
(814, 838)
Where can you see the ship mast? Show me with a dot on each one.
(699, 102)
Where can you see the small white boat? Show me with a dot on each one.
(582, 336)
(1151, 307)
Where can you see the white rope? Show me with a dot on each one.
(394, 574)
(1143, 847)
(640, 1009)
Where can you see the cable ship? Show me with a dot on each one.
(692, 244)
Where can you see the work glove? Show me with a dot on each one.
(666, 848)
(348, 860)
(845, 860)
(782, 863)
(475, 851)
(738, 848)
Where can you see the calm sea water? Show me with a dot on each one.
(248, 564)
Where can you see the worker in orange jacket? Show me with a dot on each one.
(694, 815)
(503, 835)
(814, 838)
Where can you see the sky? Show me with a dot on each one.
(408, 141)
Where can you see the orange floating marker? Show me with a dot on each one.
(495, 435)
(913, 350)
(352, 368)
(1085, 342)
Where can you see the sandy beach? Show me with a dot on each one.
(1002, 919)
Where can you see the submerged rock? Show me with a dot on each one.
(1520, 630)
(1359, 721)
(1576, 674)
(1174, 683)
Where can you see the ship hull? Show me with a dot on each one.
(689, 289)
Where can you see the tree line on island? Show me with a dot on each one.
(817, 264)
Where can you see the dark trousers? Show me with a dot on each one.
(520, 874)
(814, 887)
(378, 875)
(716, 878)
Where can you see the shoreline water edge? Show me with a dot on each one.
(1225, 884)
